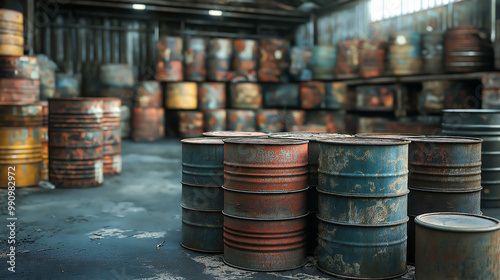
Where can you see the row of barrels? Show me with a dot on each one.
(366, 187)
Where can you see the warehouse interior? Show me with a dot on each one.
(250, 139)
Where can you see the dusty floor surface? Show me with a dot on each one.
(112, 231)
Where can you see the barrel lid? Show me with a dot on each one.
(234, 134)
(204, 141)
(387, 135)
(307, 135)
(445, 139)
(487, 111)
(364, 141)
(264, 141)
(462, 222)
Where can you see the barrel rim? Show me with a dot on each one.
(362, 195)
(310, 136)
(231, 133)
(197, 210)
(264, 193)
(455, 229)
(360, 278)
(487, 111)
(264, 141)
(265, 220)
(203, 141)
(444, 139)
(396, 223)
(201, 251)
(398, 135)
(358, 141)
(265, 270)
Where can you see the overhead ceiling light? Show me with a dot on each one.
(215, 13)
(138, 6)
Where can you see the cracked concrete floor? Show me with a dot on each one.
(112, 231)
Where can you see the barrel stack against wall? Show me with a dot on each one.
(181, 100)
(194, 58)
(273, 60)
(265, 203)
(169, 67)
(112, 152)
(362, 204)
(212, 102)
(148, 122)
(467, 49)
(19, 80)
(219, 59)
(11, 32)
(75, 142)
(404, 56)
(245, 59)
(445, 176)
(484, 124)
(20, 145)
(202, 195)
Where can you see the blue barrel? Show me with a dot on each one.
(362, 207)
(202, 194)
(323, 62)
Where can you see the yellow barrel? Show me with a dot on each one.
(6, 49)
(183, 95)
(11, 16)
(20, 145)
(12, 39)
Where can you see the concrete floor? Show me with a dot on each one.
(112, 231)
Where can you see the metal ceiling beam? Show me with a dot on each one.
(225, 34)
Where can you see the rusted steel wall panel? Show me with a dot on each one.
(20, 145)
(147, 123)
(194, 58)
(211, 96)
(219, 59)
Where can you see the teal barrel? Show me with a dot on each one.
(362, 207)
(202, 230)
(323, 62)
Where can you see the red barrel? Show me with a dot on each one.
(112, 153)
(149, 94)
(312, 95)
(75, 142)
(241, 120)
(214, 120)
(147, 124)
(190, 124)
(265, 203)
(245, 60)
(194, 57)
(272, 63)
(372, 59)
(19, 67)
(211, 96)
(19, 91)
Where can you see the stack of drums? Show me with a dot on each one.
(294, 119)
(219, 59)
(272, 62)
(180, 100)
(457, 246)
(372, 59)
(67, 86)
(348, 59)
(362, 203)
(44, 136)
(245, 60)
(270, 120)
(405, 54)
(467, 49)
(117, 80)
(241, 120)
(169, 66)
(300, 63)
(194, 56)
(75, 142)
(47, 77)
(112, 153)
(19, 80)
(312, 95)
(445, 176)
(20, 145)
(432, 52)
(11, 32)
(148, 115)
(202, 195)
(265, 203)
(212, 102)
(246, 96)
(484, 124)
(312, 179)
(323, 62)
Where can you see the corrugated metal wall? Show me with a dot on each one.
(355, 22)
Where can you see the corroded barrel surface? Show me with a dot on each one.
(246, 95)
(202, 230)
(19, 67)
(211, 96)
(19, 91)
(219, 59)
(20, 145)
(281, 95)
(76, 142)
(147, 123)
(112, 152)
(404, 56)
(214, 120)
(149, 94)
(389, 135)
(190, 124)
(270, 120)
(265, 245)
(182, 95)
(202, 161)
(272, 60)
(194, 58)
(467, 49)
(323, 62)
(457, 246)
(246, 53)
(241, 120)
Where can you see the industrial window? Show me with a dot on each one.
(384, 9)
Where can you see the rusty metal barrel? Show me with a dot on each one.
(281, 95)
(183, 95)
(234, 134)
(372, 59)
(312, 95)
(219, 59)
(265, 203)
(246, 53)
(245, 95)
(75, 142)
(445, 176)
(149, 94)
(467, 49)
(272, 60)
(194, 58)
(11, 32)
(362, 204)
(335, 95)
(404, 56)
(433, 52)
(19, 91)
(190, 124)
(457, 246)
(169, 66)
(214, 120)
(148, 123)
(19, 67)
(211, 96)
(241, 120)
(323, 62)
(202, 195)
(484, 124)
(300, 63)
(20, 145)
(294, 119)
(270, 120)
(112, 153)
(348, 58)
(44, 136)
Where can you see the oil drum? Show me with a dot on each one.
(241, 120)
(272, 61)
(190, 123)
(245, 58)
(19, 91)
(312, 95)
(214, 120)
(194, 58)
(270, 120)
(467, 49)
(219, 59)
(281, 95)
(372, 59)
(19, 67)
(11, 32)
(348, 58)
(335, 95)
(300, 63)
(323, 62)
(112, 152)
(149, 94)
(245, 95)
(147, 123)
(211, 96)
(294, 119)
(404, 55)
(183, 95)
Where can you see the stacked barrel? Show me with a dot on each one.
(117, 80)
(404, 56)
(75, 142)
(181, 100)
(212, 102)
(20, 145)
(11, 33)
(19, 79)
(483, 124)
(362, 204)
(169, 67)
(219, 59)
(202, 195)
(44, 136)
(148, 122)
(245, 60)
(272, 61)
(323, 62)
(300, 63)
(348, 58)
(265, 203)
(112, 152)
(445, 176)
(194, 57)
(432, 52)
(372, 59)
(467, 49)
